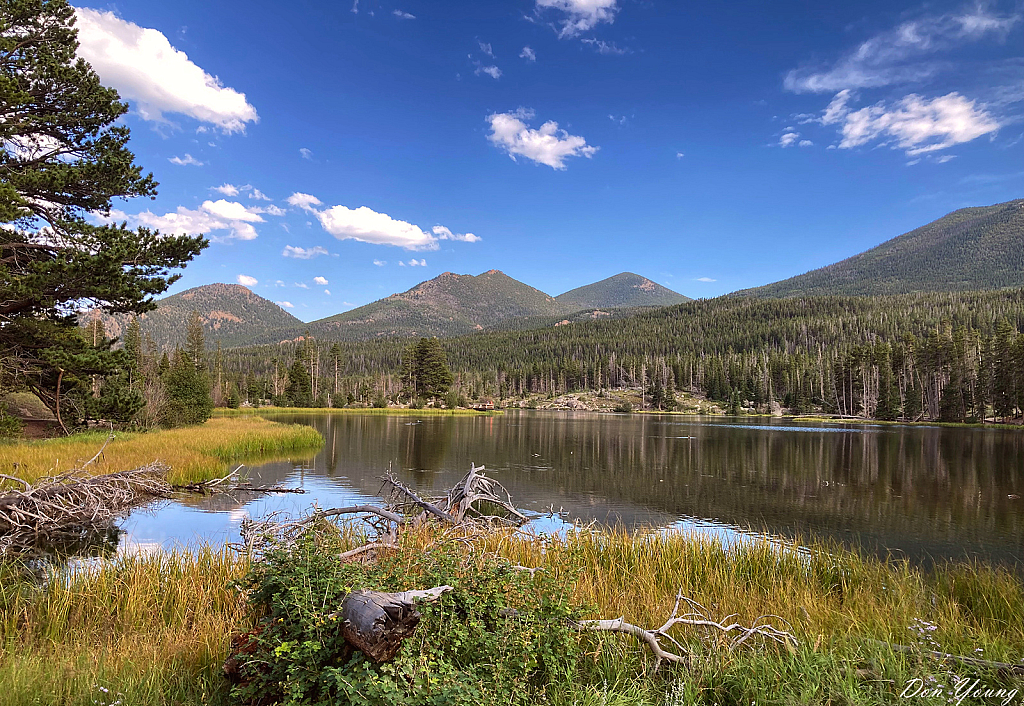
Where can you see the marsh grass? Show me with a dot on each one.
(193, 453)
(155, 627)
(385, 411)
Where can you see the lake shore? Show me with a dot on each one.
(193, 453)
(154, 629)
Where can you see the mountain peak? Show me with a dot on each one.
(625, 289)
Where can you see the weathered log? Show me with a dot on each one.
(376, 623)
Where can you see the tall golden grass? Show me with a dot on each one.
(193, 453)
(155, 627)
(396, 411)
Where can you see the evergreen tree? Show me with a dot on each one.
(433, 376)
(298, 391)
(64, 156)
(187, 390)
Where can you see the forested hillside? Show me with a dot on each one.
(931, 355)
(230, 313)
(969, 249)
(622, 290)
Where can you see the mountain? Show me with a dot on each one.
(622, 290)
(973, 248)
(447, 305)
(231, 313)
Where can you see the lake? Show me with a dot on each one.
(923, 492)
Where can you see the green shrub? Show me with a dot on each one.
(624, 407)
(499, 637)
(10, 426)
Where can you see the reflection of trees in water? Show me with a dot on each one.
(45, 557)
(898, 485)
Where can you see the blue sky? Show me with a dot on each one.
(338, 152)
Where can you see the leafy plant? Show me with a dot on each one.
(501, 636)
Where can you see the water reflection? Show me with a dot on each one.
(925, 492)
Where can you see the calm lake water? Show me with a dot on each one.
(924, 492)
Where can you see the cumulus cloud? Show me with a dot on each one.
(492, 71)
(544, 145)
(247, 281)
(368, 226)
(580, 15)
(788, 139)
(327, 292)
(301, 285)
(918, 125)
(286, 305)
(304, 201)
(403, 15)
(414, 263)
(443, 233)
(211, 216)
(320, 280)
(258, 195)
(528, 54)
(486, 48)
(898, 55)
(145, 69)
(226, 189)
(306, 153)
(185, 161)
(273, 210)
(303, 253)
(380, 263)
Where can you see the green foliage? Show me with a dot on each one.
(425, 370)
(624, 407)
(299, 390)
(501, 637)
(64, 155)
(10, 426)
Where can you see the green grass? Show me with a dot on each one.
(387, 411)
(954, 425)
(155, 628)
(193, 453)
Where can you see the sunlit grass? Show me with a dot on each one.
(423, 412)
(193, 453)
(155, 627)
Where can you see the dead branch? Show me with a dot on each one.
(371, 547)
(100, 452)
(947, 657)
(376, 622)
(418, 501)
(477, 488)
(72, 503)
(697, 617)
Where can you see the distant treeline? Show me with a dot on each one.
(949, 356)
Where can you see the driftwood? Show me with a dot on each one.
(697, 616)
(73, 503)
(956, 659)
(208, 487)
(464, 503)
(376, 623)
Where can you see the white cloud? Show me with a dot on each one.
(327, 292)
(528, 54)
(247, 281)
(185, 161)
(303, 253)
(414, 263)
(486, 49)
(492, 71)
(320, 280)
(917, 125)
(274, 210)
(286, 305)
(259, 195)
(706, 279)
(306, 153)
(545, 145)
(301, 285)
(606, 48)
(789, 139)
(896, 55)
(443, 233)
(403, 15)
(210, 216)
(303, 201)
(580, 15)
(806, 143)
(679, 155)
(226, 189)
(368, 226)
(837, 109)
(279, 283)
(144, 68)
(380, 263)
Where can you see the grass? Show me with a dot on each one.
(193, 453)
(399, 411)
(953, 425)
(154, 628)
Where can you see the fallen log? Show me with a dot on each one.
(375, 623)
